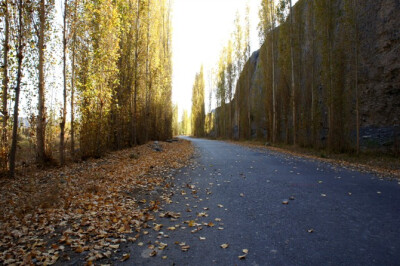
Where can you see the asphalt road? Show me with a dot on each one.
(334, 216)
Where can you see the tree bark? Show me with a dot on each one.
(134, 119)
(313, 122)
(4, 110)
(356, 76)
(41, 121)
(13, 150)
(64, 109)
(72, 96)
(293, 82)
(148, 81)
(273, 74)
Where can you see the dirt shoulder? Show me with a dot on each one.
(83, 212)
(381, 164)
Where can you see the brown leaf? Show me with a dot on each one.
(224, 246)
(125, 257)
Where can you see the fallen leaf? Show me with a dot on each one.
(285, 202)
(157, 227)
(125, 257)
(185, 248)
(191, 223)
(310, 230)
(202, 238)
(224, 246)
(162, 246)
(242, 257)
(220, 205)
(323, 195)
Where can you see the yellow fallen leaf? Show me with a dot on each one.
(245, 251)
(125, 257)
(224, 246)
(162, 246)
(191, 223)
(242, 257)
(157, 227)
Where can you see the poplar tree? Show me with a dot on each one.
(20, 55)
(4, 96)
(292, 76)
(41, 120)
(198, 105)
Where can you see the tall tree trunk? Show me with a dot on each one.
(293, 82)
(330, 100)
(72, 97)
(356, 75)
(41, 121)
(4, 96)
(274, 122)
(147, 107)
(313, 122)
(64, 109)
(134, 119)
(13, 150)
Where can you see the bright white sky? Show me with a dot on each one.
(201, 28)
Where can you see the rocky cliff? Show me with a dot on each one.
(360, 51)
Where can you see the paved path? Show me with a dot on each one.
(334, 216)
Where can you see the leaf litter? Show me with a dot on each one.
(89, 208)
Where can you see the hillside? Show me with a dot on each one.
(336, 53)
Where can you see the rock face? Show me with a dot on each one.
(380, 60)
(319, 107)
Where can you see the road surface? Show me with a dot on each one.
(333, 215)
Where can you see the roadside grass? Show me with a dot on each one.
(381, 163)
